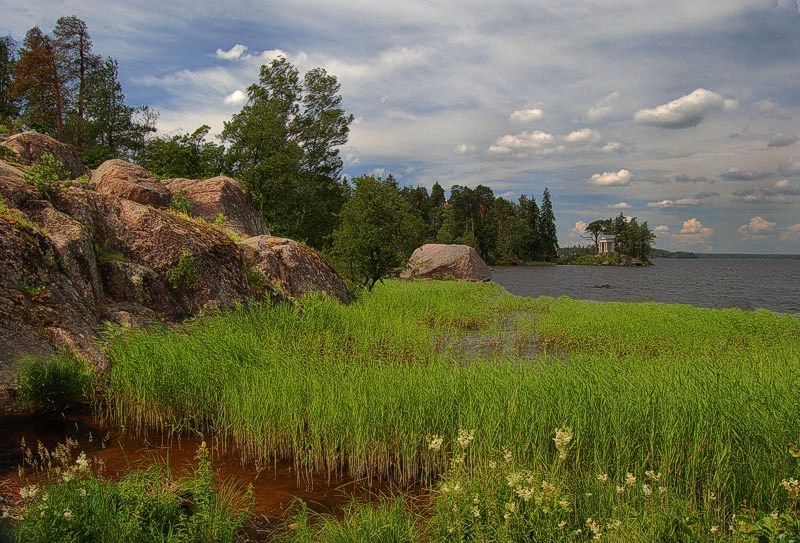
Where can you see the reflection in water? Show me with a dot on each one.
(275, 487)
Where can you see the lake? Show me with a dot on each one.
(772, 284)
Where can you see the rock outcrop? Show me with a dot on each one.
(110, 252)
(28, 147)
(210, 198)
(434, 260)
(292, 269)
(125, 180)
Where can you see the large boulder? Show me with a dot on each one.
(28, 148)
(439, 260)
(130, 232)
(125, 180)
(291, 268)
(221, 195)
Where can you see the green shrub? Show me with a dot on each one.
(184, 273)
(181, 203)
(51, 384)
(48, 175)
(219, 220)
(78, 506)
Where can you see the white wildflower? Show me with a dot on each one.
(82, 462)
(647, 490)
(465, 437)
(67, 515)
(435, 443)
(603, 478)
(562, 439)
(652, 475)
(630, 480)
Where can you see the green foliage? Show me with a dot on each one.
(257, 280)
(183, 155)
(283, 145)
(48, 175)
(184, 273)
(51, 384)
(8, 58)
(181, 203)
(219, 220)
(378, 232)
(705, 397)
(77, 506)
(104, 253)
(387, 522)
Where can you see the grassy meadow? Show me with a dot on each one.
(682, 413)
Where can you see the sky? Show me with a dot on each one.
(682, 113)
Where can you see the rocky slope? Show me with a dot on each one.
(111, 251)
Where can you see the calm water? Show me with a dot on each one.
(747, 284)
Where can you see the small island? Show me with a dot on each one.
(620, 241)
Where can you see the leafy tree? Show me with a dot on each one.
(512, 233)
(595, 229)
(76, 62)
(547, 228)
(37, 84)
(183, 155)
(115, 128)
(376, 232)
(8, 58)
(283, 145)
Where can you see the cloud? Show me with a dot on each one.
(771, 110)
(757, 228)
(782, 192)
(578, 230)
(463, 149)
(694, 227)
(603, 109)
(527, 115)
(735, 174)
(791, 233)
(619, 205)
(235, 98)
(536, 141)
(790, 167)
(234, 53)
(584, 135)
(693, 234)
(686, 111)
(683, 178)
(611, 179)
(662, 229)
(781, 140)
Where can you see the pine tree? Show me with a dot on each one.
(8, 57)
(76, 61)
(547, 231)
(38, 86)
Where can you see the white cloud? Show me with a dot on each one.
(603, 109)
(686, 111)
(234, 53)
(756, 228)
(693, 234)
(681, 202)
(578, 230)
(694, 226)
(620, 205)
(526, 141)
(527, 115)
(584, 135)
(611, 179)
(235, 98)
(662, 229)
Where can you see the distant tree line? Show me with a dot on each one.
(57, 85)
(283, 146)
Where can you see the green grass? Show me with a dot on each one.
(75, 505)
(706, 397)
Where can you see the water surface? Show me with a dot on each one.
(772, 284)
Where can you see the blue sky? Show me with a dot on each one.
(681, 113)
